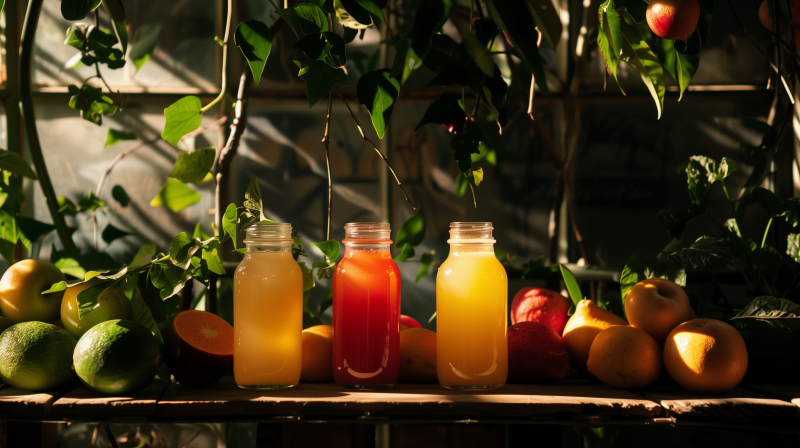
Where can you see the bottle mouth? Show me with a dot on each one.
(269, 231)
(471, 233)
(367, 232)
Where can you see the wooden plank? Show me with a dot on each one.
(86, 404)
(734, 405)
(20, 403)
(306, 400)
(785, 392)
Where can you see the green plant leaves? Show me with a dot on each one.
(320, 78)
(74, 9)
(771, 308)
(681, 67)
(330, 249)
(572, 284)
(229, 221)
(327, 46)
(192, 167)
(405, 61)
(115, 136)
(425, 265)
(252, 200)
(305, 17)
(362, 11)
(117, 15)
(175, 195)
(378, 92)
(638, 54)
(91, 102)
(609, 37)
(412, 231)
(111, 233)
(120, 195)
(15, 164)
(252, 37)
(430, 17)
(183, 116)
(144, 43)
(446, 111)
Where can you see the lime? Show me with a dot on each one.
(36, 356)
(117, 357)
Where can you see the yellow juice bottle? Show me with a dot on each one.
(267, 311)
(471, 310)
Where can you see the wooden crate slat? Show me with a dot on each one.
(406, 400)
(86, 404)
(20, 403)
(736, 404)
(785, 392)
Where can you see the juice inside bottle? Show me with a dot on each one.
(471, 310)
(268, 311)
(366, 310)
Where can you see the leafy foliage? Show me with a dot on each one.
(175, 195)
(192, 167)
(183, 116)
(320, 78)
(252, 37)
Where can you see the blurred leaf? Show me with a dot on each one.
(330, 249)
(548, 20)
(143, 256)
(229, 221)
(252, 37)
(90, 202)
(378, 92)
(31, 229)
(327, 302)
(308, 277)
(430, 17)
(412, 231)
(200, 234)
(349, 34)
(115, 136)
(116, 14)
(183, 117)
(769, 200)
(445, 111)
(120, 195)
(307, 18)
(325, 5)
(175, 195)
(793, 246)
(424, 266)
(192, 167)
(362, 10)
(320, 78)
(315, 46)
(73, 9)
(638, 54)
(464, 145)
(406, 252)
(111, 233)
(144, 43)
(15, 164)
(572, 285)
(405, 61)
(476, 50)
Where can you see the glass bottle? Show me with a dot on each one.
(366, 310)
(471, 310)
(268, 310)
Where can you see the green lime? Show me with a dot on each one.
(36, 356)
(117, 357)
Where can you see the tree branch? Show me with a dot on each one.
(399, 184)
(326, 140)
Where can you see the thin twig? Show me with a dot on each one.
(533, 81)
(111, 438)
(224, 87)
(326, 140)
(399, 184)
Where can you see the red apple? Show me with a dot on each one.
(408, 322)
(536, 353)
(540, 305)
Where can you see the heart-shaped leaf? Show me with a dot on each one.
(175, 195)
(320, 79)
(183, 116)
(192, 167)
(378, 91)
(252, 37)
(115, 136)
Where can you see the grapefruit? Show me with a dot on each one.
(705, 356)
(625, 357)
(317, 354)
(36, 356)
(117, 357)
(673, 19)
(199, 348)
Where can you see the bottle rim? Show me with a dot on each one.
(367, 232)
(471, 233)
(269, 232)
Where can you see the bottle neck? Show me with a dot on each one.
(261, 246)
(367, 245)
(459, 247)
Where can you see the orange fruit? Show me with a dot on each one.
(317, 354)
(657, 305)
(625, 357)
(199, 347)
(706, 356)
(673, 19)
(581, 329)
(418, 355)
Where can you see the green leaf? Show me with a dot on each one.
(31, 230)
(252, 37)
(330, 249)
(362, 10)
(406, 252)
(572, 285)
(548, 20)
(144, 43)
(315, 46)
(229, 221)
(305, 17)
(90, 202)
(183, 117)
(115, 136)
(774, 309)
(430, 17)
(464, 145)
(793, 246)
(143, 256)
(168, 278)
(767, 199)
(320, 78)
(515, 18)
(378, 92)
(413, 230)
(192, 167)
(143, 315)
(476, 50)
(212, 255)
(405, 61)
(175, 195)
(424, 267)
(252, 199)
(120, 195)
(445, 111)
(57, 287)
(15, 164)
(325, 5)
(308, 277)
(73, 9)
(638, 54)
(182, 249)
(609, 37)
(111, 233)
(87, 299)
(636, 271)
(116, 13)
(681, 67)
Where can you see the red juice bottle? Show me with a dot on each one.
(366, 310)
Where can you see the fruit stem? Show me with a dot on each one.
(29, 119)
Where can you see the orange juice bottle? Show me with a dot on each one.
(366, 310)
(267, 310)
(471, 310)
